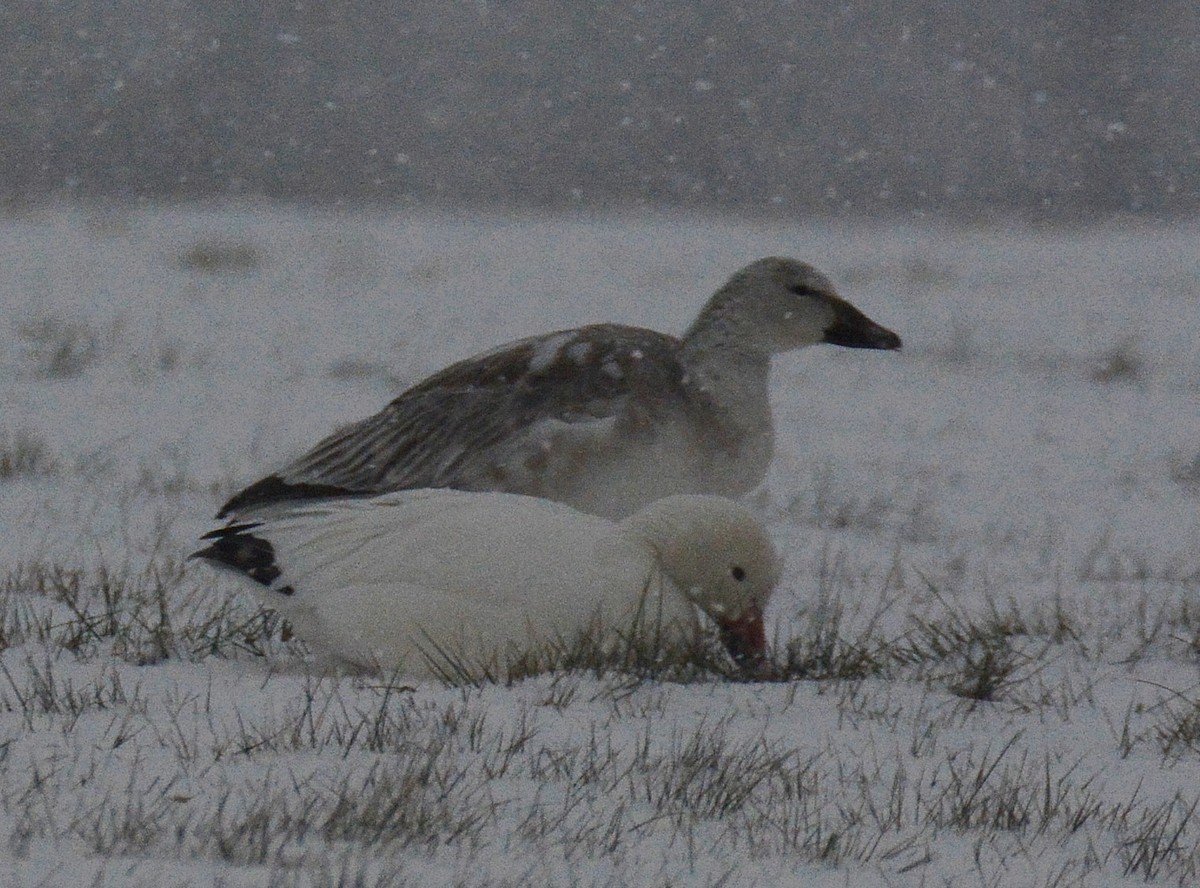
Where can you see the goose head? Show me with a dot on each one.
(776, 305)
(721, 558)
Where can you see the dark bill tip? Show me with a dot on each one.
(853, 329)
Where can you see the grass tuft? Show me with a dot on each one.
(60, 349)
(1120, 364)
(825, 653)
(641, 653)
(140, 616)
(221, 257)
(25, 454)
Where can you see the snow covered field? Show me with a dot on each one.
(992, 591)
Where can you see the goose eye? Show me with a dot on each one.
(738, 574)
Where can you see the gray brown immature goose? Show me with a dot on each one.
(606, 418)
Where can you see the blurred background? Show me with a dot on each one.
(1060, 110)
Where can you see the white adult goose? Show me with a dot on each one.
(606, 418)
(422, 580)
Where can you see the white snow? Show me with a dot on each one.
(1026, 466)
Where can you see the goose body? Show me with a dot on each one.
(606, 418)
(418, 580)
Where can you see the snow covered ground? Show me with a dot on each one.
(992, 590)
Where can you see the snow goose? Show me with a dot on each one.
(403, 580)
(606, 418)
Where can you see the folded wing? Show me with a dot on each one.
(485, 423)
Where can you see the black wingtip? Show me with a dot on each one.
(235, 547)
(273, 489)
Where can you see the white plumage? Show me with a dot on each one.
(396, 581)
(606, 418)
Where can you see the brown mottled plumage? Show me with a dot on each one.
(606, 418)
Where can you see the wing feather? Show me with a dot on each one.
(459, 427)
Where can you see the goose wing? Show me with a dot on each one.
(469, 425)
(458, 542)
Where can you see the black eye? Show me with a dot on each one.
(801, 290)
(738, 574)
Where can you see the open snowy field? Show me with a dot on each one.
(991, 594)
